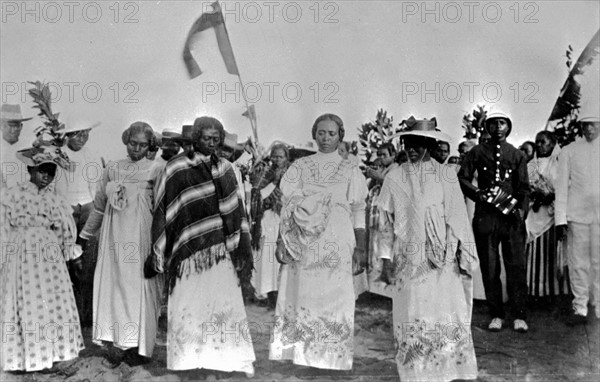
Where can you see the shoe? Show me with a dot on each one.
(576, 319)
(496, 325)
(520, 326)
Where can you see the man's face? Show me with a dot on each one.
(591, 130)
(169, 148)
(77, 139)
(386, 158)
(11, 130)
(278, 158)
(209, 141)
(441, 152)
(498, 129)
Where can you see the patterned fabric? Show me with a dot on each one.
(314, 317)
(198, 207)
(37, 306)
(424, 228)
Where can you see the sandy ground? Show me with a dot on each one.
(551, 351)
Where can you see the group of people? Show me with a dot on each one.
(183, 229)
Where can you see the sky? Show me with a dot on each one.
(121, 62)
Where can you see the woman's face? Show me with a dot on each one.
(137, 147)
(327, 136)
(42, 175)
(543, 146)
(278, 158)
(415, 148)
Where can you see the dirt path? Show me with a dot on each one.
(551, 351)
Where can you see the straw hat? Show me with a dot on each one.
(423, 128)
(12, 113)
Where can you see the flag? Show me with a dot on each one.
(210, 20)
(570, 94)
(250, 113)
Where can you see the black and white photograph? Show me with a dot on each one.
(310, 190)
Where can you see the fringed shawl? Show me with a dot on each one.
(198, 216)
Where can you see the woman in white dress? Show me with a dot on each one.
(429, 256)
(126, 305)
(322, 233)
(40, 323)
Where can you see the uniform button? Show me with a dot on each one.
(498, 146)
(485, 168)
(498, 154)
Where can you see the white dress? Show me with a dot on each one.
(126, 305)
(40, 323)
(315, 307)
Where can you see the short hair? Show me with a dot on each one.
(140, 127)
(443, 143)
(532, 144)
(390, 147)
(329, 117)
(281, 146)
(548, 134)
(205, 123)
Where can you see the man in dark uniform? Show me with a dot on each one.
(503, 168)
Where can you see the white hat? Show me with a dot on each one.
(498, 114)
(423, 128)
(12, 113)
(72, 128)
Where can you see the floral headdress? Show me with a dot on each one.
(50, 137)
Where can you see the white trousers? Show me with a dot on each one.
(584, 265)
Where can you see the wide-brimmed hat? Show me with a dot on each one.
(35, 156)
(499, 114)
(422, 128)
(170, 134)
(12, 113)
(589, 119)
(231, 141)
(187, 134)
(75, 127)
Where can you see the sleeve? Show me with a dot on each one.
(385, 202)
(466, 174)
(64, 227)
(97, 169)
(94, 222)
(357, 195)
(562, 188)
(291, 182)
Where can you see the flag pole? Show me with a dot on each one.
(252, 120)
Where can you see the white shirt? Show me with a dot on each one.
(578, 183)
(13, 171)
(79, 186)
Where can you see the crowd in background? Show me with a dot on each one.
(196, 221)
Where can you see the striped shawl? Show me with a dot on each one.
(198, 218)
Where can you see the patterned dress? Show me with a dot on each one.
(126, 305)
(424, 225)
(40, 323)
(323, 199)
